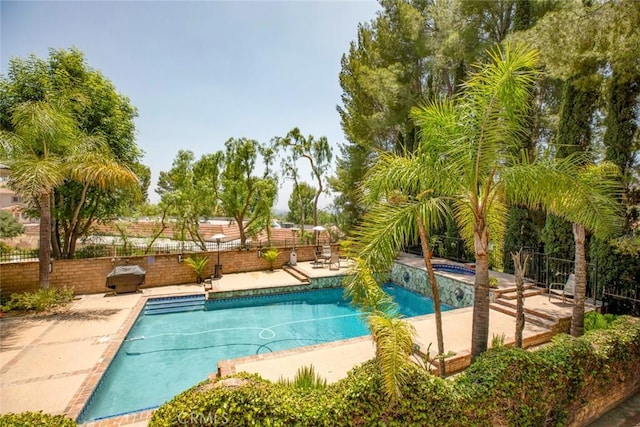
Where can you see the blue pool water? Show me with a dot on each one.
(167, 353)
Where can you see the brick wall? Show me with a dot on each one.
(88, 276)
(600, 404)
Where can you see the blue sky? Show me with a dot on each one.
(202, 72)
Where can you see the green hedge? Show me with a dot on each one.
(35, 419)
(504, 387)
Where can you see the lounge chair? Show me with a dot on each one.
(564, 289)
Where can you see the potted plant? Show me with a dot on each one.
(271, 255)
(198, 264)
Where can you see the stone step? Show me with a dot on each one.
(528, 316)
(511, 304)
(298, 274)
(500, 291)
(512, 295)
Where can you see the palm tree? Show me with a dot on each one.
(583, 193)
(393, 337)
(403, 210)
(45, 149)
(472, 140)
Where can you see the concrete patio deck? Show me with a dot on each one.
(47, 362)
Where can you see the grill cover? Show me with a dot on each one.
(126, 278)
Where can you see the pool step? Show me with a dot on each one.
(175, 304)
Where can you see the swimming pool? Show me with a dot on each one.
(165, 354)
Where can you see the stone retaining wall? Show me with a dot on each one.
(455, 293)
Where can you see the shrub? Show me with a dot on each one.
(251, 401)
(270, 256)
(594, 321)
(198, 264)
(4, 248)
(40, 300)
(493, 282)
(35, 419)
(306, 378)
(91, 251)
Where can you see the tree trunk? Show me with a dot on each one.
(480, 328)
(520, 269)
(243, 234)
(577, 318)
(426, 250)
(44, 251)
(55, 229)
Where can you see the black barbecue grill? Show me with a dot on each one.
(126, 278)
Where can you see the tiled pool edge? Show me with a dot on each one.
(314, 284)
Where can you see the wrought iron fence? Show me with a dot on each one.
(98, 250)
(15, 255)
(622, 301)
(544, 270)
(453, 248)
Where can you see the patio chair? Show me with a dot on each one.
(564, 289)
(319, 259)
(325, 255)
(334, 261)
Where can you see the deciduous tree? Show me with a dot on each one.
(244, 196)
(317, 152)
(301, 204)
(9, 226)
(67, 82)
(189, 191)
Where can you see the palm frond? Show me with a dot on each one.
(394, 339)
(584, 194)
(363, 289)
(43, 127)
(32, 175)
(103, 172)
(11, 145)
(465, 216)
(497, 220)
(388, 174)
